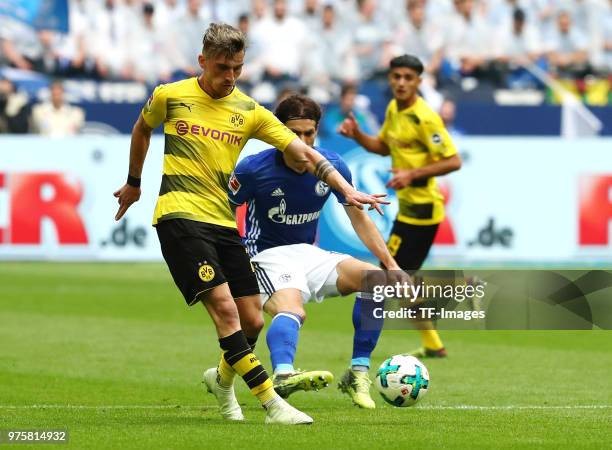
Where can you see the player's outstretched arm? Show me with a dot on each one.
(350, 128)
(320, 167)
(130, 191)
(370, 236)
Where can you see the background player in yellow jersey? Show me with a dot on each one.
(421, 149)
(207, 121)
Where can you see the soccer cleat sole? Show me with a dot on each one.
(308, 381)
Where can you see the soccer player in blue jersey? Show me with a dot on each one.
(284, 205)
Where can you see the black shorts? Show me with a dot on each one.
(201, 256)
(409, 244)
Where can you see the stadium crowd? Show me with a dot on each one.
(324, 44)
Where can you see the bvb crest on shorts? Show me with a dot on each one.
(206, 272)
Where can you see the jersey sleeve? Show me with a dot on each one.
(240, 185)
(341, 167)
(436, 137)
(382, 134)
(270, 130)
(154, 111)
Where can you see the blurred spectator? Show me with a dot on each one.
(107, 39)
(392, 14)
(420, 38)
(607, 38)
(168, 13)
(244, 23)
(71, 48)
(499, 13)
(568, 49)
(188, 32)
(325, 44)
(518, 47)
(372, 42)
(468, 43)
(335, 48)
(546, 11)
(281, 43)
(346, 13)
(14, 109)
(439, 10)
(22, 47)
(228, 11)
(585, 16)
(252, 68)
(335, 114)
(149, 58)
(57, 118)
(259, 10)
(448, 112)
(311, 15)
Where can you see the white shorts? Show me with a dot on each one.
(305, 267)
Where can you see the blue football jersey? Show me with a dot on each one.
(283, 205)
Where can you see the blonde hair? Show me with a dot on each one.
(222, 39)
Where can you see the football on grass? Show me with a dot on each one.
(402, 380)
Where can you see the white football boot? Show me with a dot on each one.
(228, 405)
(283, 413)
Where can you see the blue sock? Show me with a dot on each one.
(282, 338)
(367, 331)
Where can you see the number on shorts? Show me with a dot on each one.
(394, 244)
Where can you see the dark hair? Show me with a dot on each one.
(409, 61)
(518, 15)
(298, 106)
(348, 87)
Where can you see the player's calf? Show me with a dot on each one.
(251, 316)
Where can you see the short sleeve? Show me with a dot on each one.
(240, 185)
(436, 138)
(154, 111)
(341, 167)
(270, 130)
(382, 134)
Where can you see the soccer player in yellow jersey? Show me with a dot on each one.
(421, 149)
(207, 121)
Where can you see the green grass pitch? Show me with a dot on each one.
(111, 353)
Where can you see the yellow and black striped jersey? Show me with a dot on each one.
(416, 137)
(204, 137)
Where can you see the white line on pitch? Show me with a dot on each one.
(511, 407)
(430, 407)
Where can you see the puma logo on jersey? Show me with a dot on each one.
(186, 105)
(277, 192)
